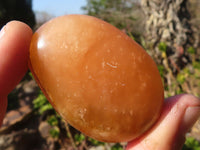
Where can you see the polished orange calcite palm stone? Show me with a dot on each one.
(96, 77)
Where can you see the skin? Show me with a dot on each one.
(179, 112)
(15, 38)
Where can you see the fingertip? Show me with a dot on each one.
(19, 25)
(19, 28)
(15, 39)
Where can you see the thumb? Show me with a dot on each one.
(15, 39)
(179, 114)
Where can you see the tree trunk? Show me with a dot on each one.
(168, 22)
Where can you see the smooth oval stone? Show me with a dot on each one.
(96, 77)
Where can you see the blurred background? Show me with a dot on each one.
(168, 30)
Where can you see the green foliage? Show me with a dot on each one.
(46, 107)
(191, 144)
(96, 7)
(161, 70)
(117, 12)
(186, 71)
(41, 103)
(52, 120)
(179, 91)
(181, 78)
(162, 46)
(131, 35)
(79, 138)
(95, 142)
(31, 75)
(55, 132)
(196, 65)
(117, 147)
(191, 50)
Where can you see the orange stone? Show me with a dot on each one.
(97, 78)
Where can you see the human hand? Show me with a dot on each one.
(15, 39)
(178, 115)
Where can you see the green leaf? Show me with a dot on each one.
(161, 70)
(131, 36)
(117, 147)
(191, 50)
(181, 78)
(55, 132)
(45, 108)
(162, 46)
(196, 65)
(191, 144)
(41, 103)
(95, 142)
(79, 138)
(52, 120)
(179, 91)
(31, 75)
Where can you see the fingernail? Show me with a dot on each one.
(2, 32)
(190, 117)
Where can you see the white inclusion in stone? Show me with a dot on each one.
(111, 65)
(103, 64)
(123, 112)
(123, 84)
(115, 110)
(86, 67)
(75, 94)
(82, 113)
(89, 77)
(108, 128)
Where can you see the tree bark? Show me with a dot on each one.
(168, 21)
